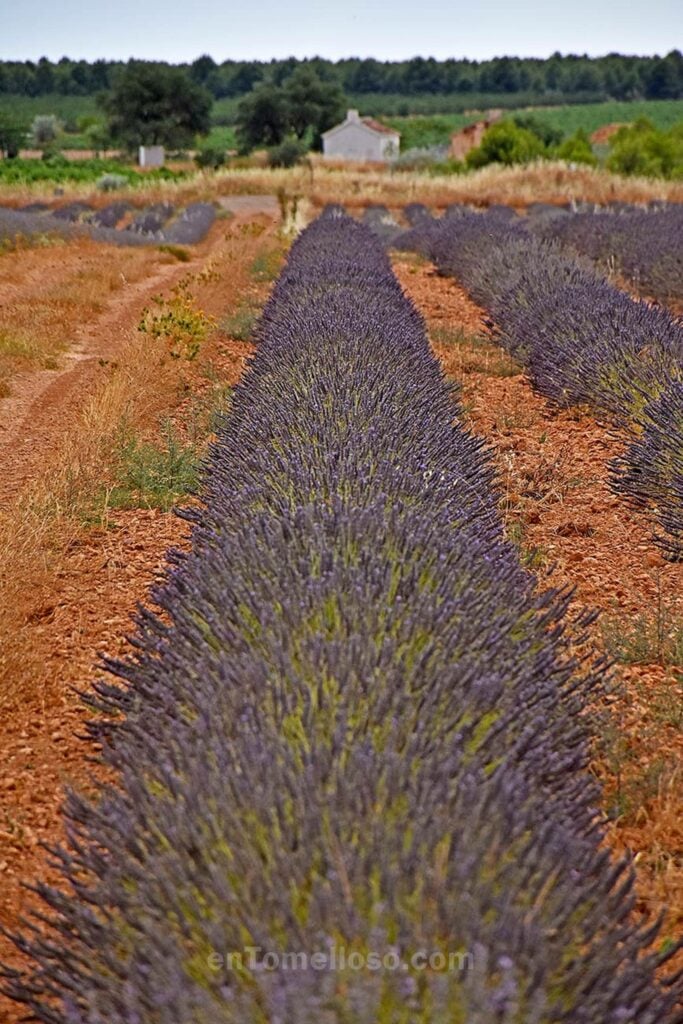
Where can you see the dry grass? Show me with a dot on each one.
(45, 519)
(142, 388)
(68, 287)
(360, 185)
(551, 182)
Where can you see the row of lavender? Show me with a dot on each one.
(641, 244)
(581, 341)
(157, 224)
(644, 245)
(351, 753)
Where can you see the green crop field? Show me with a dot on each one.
(67, 108)
(589, 116)
(435, 130)
(70, 108)
(418, 129)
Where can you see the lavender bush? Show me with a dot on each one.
(356, 725)
(651, 470)
(581, 340)
(156, 225)
(643, 244)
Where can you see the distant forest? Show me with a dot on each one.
(570, 77)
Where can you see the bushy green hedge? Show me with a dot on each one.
(643, 149)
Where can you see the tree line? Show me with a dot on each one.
(614, 76)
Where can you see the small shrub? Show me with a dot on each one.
(577, 149)
(240, 324)
(111, 182)
(182, 255)
(288, 153)
(53, 158)
(641, 149)
(505, 143)
(450, 166)
(547, 133)
(149, 476)
(179, 322)
(420, 158)
(210, 158)
(45, 130)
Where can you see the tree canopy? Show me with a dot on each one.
(156, 104)
(304, 106)
(12, 135)
(614, 76)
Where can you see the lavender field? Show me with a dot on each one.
(359, 725)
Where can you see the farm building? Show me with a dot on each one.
(151, 156)
(470, 137)
(360, 138)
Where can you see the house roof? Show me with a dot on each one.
(376, 126)
(368, 123)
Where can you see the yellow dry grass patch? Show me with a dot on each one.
(544, 181)
(358, 185)
(142, 386)
(48, 295)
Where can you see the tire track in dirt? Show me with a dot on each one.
(42, 401)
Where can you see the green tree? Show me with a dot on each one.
(505, 143)
(664, 78)
(45, 129)
(303, 106)
(156, 105)
(12, 135)
(312, 104)
(202, 69)
(262, 118)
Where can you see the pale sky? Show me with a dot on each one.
(180, 30)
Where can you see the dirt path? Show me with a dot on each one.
(85, 608)
(554, 471)
(41, 402)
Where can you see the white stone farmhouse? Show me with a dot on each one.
(360, 138)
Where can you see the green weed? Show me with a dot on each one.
(182, 255)
(179, 322)
(476, 352)
(153, 476)
(533, 557)
(665, 701)
(240, 324)
(266, 266)
(651, 637)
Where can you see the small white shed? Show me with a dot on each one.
(360, 138)
(151, 156)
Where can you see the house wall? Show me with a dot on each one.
(151, 156)
(355, 142)
(469, 138)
